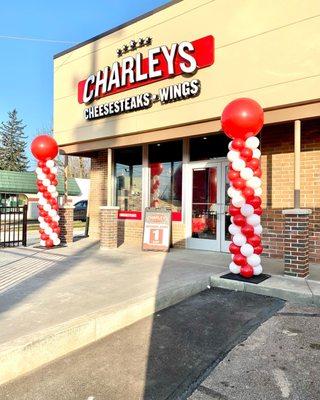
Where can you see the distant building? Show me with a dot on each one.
(19, 188)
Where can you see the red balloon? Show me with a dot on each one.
(51, 176)
(234, 249)
(253, 164)
(258, 210)
(41, 164)
(57, 230)
(232, 175)
(255, 202)
(49, 243)
(46, 170)
(44, 148)
(247, 230)
(41, 231)
(44, 236)
(239, 220)
(239, 183)
(242, 118)
(54, 224)
(156, 169)
(257, 172)
(239, 259)
(54, 182)
(48, 219)
(42, 188)
(246, 154)
(53, 201)
(258, 249)
(55, 207)
(46, 195)
(233, 210)
(254, 240)
(248, 193)
(40, 207)
(246, 271)
(43, 213)
(238, 144)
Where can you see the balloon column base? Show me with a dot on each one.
(58, 246)
(256, 279)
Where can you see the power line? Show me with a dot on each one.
(30, 39)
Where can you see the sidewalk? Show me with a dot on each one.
(55, 301)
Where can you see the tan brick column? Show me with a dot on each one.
(66, 224)
(109, 227)
(296, 242)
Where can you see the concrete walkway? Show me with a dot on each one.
(55, 301)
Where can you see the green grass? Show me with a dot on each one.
(34, 226)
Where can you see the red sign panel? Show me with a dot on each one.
(135, 215)
(203, 54)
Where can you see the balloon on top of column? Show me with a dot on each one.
(242, 120)
(45, 149)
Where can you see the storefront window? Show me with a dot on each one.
(208, 147)
(12, 200)
(128, 176)
(165, 162)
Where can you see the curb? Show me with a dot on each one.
(26, 353)
(271, 288)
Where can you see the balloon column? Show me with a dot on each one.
(156, 170)
(242, 119)
(45, 149)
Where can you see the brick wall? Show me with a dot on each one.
(277, 161)
(98, 190)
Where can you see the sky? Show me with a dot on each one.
(26, 66)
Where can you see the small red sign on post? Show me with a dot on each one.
(157, 229)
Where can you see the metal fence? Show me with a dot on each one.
(13, 226)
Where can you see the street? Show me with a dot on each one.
(164, 356)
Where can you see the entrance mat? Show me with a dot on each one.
(255, 279)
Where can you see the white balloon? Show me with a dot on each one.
(258, 192)
(257, 229)
(238, 201)
(256, 153)
(42, 243)
(39, 194)
(56, 242)
(46, 182)
(47, 207)
(42, 201)
(246, 210)
(234, 229)
(252, 142)
(239, 239)
(54, 170)
(257, 270)
(43, 225)
(233, 155)
(254, 182)
(40, 219)
(231, 219)
(56, 218)
(238, 165)
(41, 176)
(246, 250)
(51, 188)
(54, 194)
(254, 260)
(246, 173)
(234, 268)
(53, 236)
(48, 230)
(50, 163)
(232, 192)
(38, 170)
(254, 220)
(230, 145)
(52, 212)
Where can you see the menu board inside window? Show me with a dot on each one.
(157, 229)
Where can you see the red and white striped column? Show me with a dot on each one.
(242, 119)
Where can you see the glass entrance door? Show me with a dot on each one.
(207, 220)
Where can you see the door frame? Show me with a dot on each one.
(220, 244)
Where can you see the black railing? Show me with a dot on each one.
(13, 226)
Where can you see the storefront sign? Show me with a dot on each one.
(135, 215)
(157, 229)
(162, 63)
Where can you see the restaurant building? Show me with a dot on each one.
(144, 101)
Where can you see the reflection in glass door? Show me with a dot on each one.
(225, 200)
(204, 210)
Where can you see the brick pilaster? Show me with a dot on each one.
(296, 242)
(66, 224)
(109, 227)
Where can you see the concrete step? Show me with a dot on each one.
(26, 353)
